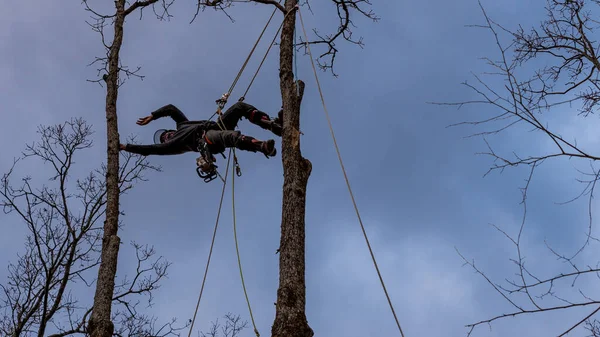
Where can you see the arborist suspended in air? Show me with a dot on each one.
(208, 136)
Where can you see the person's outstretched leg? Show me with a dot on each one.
(219, 140)
(240, 109)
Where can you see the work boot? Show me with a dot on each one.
(270, 125)
(276, 128)
(248, 143)
(264, 121)
(278, 123)
(279, 118)
(268, 148)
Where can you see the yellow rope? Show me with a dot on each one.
(237, 249)
(345, 175)
(211, 244)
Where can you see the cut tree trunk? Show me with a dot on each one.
(290, 317)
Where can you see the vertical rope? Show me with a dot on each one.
(211, 245)
(237, 249)
(346, 176)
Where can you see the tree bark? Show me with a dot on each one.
(100, 324)
(290, 317)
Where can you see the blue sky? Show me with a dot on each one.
(418, 184)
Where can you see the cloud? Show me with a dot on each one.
(422, 276)
(418, 186)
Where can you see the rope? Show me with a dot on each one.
(346, 176)
(237, 249)
(211, 245)
(226, 95)
(219, 112)
(265, 56)
(251, 52)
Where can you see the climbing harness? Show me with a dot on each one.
(345, 175)
(205, 163)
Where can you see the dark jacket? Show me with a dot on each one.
(185, 139)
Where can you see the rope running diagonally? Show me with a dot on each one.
(211, 245)
(251, 52)
(266, 54)
(247, 59)
(346, 176)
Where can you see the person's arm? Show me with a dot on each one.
(168, 148)
(169, 110)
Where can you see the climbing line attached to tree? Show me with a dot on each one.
(221, 102)
(251, 52)
(211, 244)
(346, 176)
(265, 56)
(237, 250)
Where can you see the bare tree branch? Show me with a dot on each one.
(64, 239)
(232, 328)
(563, 41)
(345, 10)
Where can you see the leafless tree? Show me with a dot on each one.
(290, 319)
(62, 247)
(111, 69)
(566, 42)
(593, 327)
(232, 328)
(346, 11)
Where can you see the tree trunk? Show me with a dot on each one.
(290, 317)
(100, 324)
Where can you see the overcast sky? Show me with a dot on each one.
(419, 185)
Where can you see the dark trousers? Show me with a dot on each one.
(232, 116)
(217, 141)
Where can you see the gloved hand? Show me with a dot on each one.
(144, 120)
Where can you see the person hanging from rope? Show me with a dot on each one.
(194, 135)
(229, 120)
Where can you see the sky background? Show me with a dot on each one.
(419, 185)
